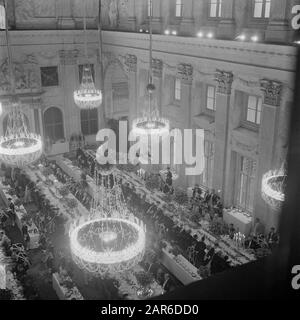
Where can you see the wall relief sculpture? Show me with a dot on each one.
(26, 75)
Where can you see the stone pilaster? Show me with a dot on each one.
(65, 19)
(224, 81)
(267, 132)
(69, 74)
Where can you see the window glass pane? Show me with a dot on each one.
(53, 120)
(267, 9)
(258, 9)
(252, 102)
(80, 68)
(220, 8)
(213, 9)
(178, 8)
(251, 115)
(2, 17)
(177, 89)
(211, 92)
(258, 117)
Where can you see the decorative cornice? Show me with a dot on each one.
(272, 92)
(185, 72)
(68, 57)
(224, 80)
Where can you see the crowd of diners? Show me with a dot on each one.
(48, 219)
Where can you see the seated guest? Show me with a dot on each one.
(169, 177)
(26, 236)
(209, 255)
(62, 267)
(231, 231)
(160, 276)
(258, 227)
(5, 243)
(11, 205)
(200, 251)
(273, 238)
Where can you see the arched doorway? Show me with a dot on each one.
(54, 125)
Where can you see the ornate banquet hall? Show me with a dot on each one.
(143, 143)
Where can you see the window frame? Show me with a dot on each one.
(89, 131)
(207, 98)
(178, 5)
(250, 124)
(219, 5)
(177, 91)
(263, 9)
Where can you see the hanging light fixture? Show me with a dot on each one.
(18, 147)
(151, 122)
(111, 240)
(273, 187)
(87, 96)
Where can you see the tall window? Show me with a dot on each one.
(208, 164)
(254, 109)
(177, 92)
(2, 17)
(179, 8)
(89, 121)
(215, 10)
(262, 8)
(149, 8)
(246, 184)
(54, 126)
(211, 98)
(49, 76)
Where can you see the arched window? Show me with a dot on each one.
(89, 121)
(6, 119)
(54, 125)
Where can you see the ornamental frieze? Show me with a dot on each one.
(130, 62)
(185, 72)
(224, 80)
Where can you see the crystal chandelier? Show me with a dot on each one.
(151, 123)
(111, 240)
(87, 96)
(18, 147)
(273, 188)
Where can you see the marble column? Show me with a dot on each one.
(224, 81)
(69, 71)
(185, 74)
(278, 29)
(226, 26)
(187, 27)
(267, 135)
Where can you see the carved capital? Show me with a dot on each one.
(224, 80)
(68, 57)
(157, 67)
(130, 62)
(272, 92)
(185, 72)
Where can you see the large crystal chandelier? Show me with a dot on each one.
(111, 240)
(273, 188)
(87, 96)
(18, 147)
(151, 122)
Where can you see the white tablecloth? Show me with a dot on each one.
(62, 292)
(182, 269)
(239, 220)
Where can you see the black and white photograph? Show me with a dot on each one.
(149, 151)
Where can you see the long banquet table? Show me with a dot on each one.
(20, 214)
(237, 255)
(128, 282)
(62, 291)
